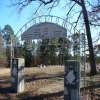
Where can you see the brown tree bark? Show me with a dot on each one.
(89, 38)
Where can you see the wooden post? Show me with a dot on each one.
(72, 80)
(17, 75)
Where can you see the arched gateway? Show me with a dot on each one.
(61, 27)
(43, 27)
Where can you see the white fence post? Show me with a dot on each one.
(17, 74)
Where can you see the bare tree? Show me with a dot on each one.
(87, 22)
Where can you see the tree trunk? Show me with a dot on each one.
(90, 45)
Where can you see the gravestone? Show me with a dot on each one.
(17, 75)
(72, 80)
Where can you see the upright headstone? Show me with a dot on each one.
(72, 80)
(17, 74)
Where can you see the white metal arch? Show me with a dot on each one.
(47, 18)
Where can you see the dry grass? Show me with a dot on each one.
(47, 70)
(34, 87)
(40, 86)
(4, 72)
(35, 70)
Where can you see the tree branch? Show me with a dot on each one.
(77, 20)
(79, 3)
(70, 9)
(45, 2)
(53, 5)
(94, 24)
(38, 8)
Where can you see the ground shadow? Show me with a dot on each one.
(33, 78)
(43, 96)
(7, 89)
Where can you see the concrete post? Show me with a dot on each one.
(72, 80)
(17, 74)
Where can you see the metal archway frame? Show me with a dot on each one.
(47, 18)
